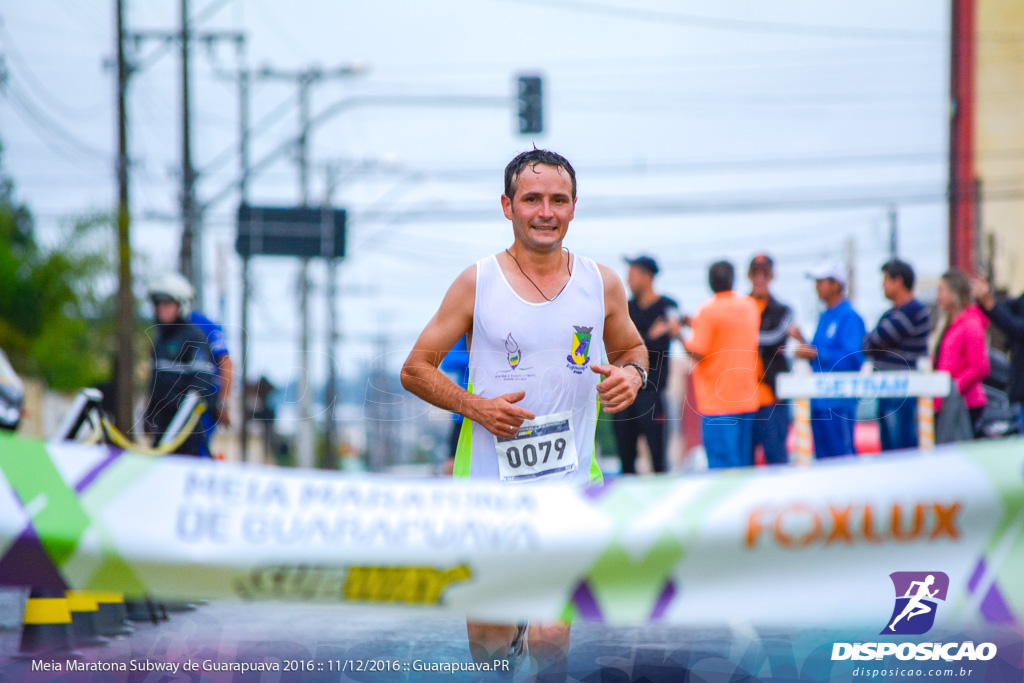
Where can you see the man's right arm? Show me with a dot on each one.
(421, 376)
(1008, 316)
(1009, 321)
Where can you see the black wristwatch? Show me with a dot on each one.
(640, 369)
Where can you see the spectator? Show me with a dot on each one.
(771, 424)
(896, 343)
(1008, 316)
(225, 372)
(657, 319)
(724, 347)
(218, 414)
(962, 351)
(835, 347)
(181, 363)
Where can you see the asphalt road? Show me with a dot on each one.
(304, 643)
(224, 632)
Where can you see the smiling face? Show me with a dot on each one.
(542, 207)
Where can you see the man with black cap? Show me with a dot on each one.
(771, 423)
(657, 319)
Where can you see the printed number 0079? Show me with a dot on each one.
(531, 454)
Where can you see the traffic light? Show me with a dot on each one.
(531, 105)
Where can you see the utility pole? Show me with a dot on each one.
(191, 242)
(963, 197)
(382, 446)
(190, 257)
(125, 364)
(242, 78)
(305, 79)
(243, 157)
(851, 267)
(893, 232)
(331, 395)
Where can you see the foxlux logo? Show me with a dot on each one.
(913, 614)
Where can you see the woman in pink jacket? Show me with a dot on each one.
(962, 349)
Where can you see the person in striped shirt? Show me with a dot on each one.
(896, 343)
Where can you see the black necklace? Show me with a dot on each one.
(568, 260)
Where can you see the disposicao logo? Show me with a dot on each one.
(916, 596)
(916, 604)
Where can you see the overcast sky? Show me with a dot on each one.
(699, 131)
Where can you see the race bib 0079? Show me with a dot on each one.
(542, 447)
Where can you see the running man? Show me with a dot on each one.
(915, 606)
(539, 319)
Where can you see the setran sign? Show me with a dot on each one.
(306, 232)
(882, 384)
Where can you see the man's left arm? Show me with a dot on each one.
(623, 344)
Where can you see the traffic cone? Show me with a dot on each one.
(46, 626)
(178, 607)
(144, 610)
(84, 629)
(112, 615)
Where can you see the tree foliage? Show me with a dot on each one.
(56, 308)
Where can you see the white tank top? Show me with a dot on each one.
(544, 349)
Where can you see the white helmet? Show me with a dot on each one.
(173, 286)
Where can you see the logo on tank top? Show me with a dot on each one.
(514, 354)
(578, 357)
(515, 359)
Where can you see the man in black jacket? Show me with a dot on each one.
(657, 319)
(771, 423)
(181, 362)
(1008, 316)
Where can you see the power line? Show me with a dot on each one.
(617, 207)
(35, 85)
(899, 158)
(743, 25)
(48, 130)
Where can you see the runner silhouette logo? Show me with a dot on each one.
(917, 594)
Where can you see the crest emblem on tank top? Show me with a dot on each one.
(578, 357)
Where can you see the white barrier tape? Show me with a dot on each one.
(804, 546)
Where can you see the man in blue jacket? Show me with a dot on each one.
(836, 347)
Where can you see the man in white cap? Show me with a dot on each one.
(836, 347)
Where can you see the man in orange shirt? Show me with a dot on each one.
(724, 346)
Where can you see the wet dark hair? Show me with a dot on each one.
(899, 270)
(532, 158)
(721, 276)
